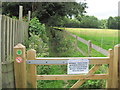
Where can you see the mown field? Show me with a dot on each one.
(105, 38)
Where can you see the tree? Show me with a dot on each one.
(103, 23)
(89, 22)
(113, 23)
(12, 8)
(46, 11)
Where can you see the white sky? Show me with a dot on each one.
(102, 9)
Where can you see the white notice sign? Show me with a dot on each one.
(79, 66)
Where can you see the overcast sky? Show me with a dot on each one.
(102, 9)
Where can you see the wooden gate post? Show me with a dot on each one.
(119, 66)
(115, 66)
(20, 66)
(31, 70)
(110, 69)
(116, 76)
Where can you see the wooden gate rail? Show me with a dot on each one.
(28, 79)
(71, 77)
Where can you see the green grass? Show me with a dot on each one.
(105, 38)
(84, 48)
(51, 70)
(58, 69)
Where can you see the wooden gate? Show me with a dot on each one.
(25, 68)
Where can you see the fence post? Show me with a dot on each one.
(31, 70)
(20, 66)
(118, 50)
(119, 65)
(20, 12)
(29, 14)
(3, 39)
(110, 69)
(76, 42)
(20, 27)
(115, 66)
(89, 47)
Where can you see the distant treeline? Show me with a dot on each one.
(60, 14)
(90, 22)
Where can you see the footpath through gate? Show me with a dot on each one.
(25, 68)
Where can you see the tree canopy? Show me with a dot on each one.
(46, 11)
(113, 23)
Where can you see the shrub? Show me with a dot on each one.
(36, 28)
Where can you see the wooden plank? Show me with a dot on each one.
(20, 31)
(8, 38)
(71, 77)
(23, 30)
(3, 38)
(10, 44)
(16, 33)
(20, 68)
(31, 70)
(110, 70)
(99, 49)
(13, 35)
(15, 39)
(91, 71)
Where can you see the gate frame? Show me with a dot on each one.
(25, 75)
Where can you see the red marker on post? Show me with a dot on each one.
(19, 60)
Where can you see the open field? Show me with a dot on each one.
(84, 48)
(105, 38)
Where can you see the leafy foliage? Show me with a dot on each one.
(89, 22)
(113, 22)
(35, 27)
(45, 11)
(37, 37)
(12, 8)
(73, 23)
